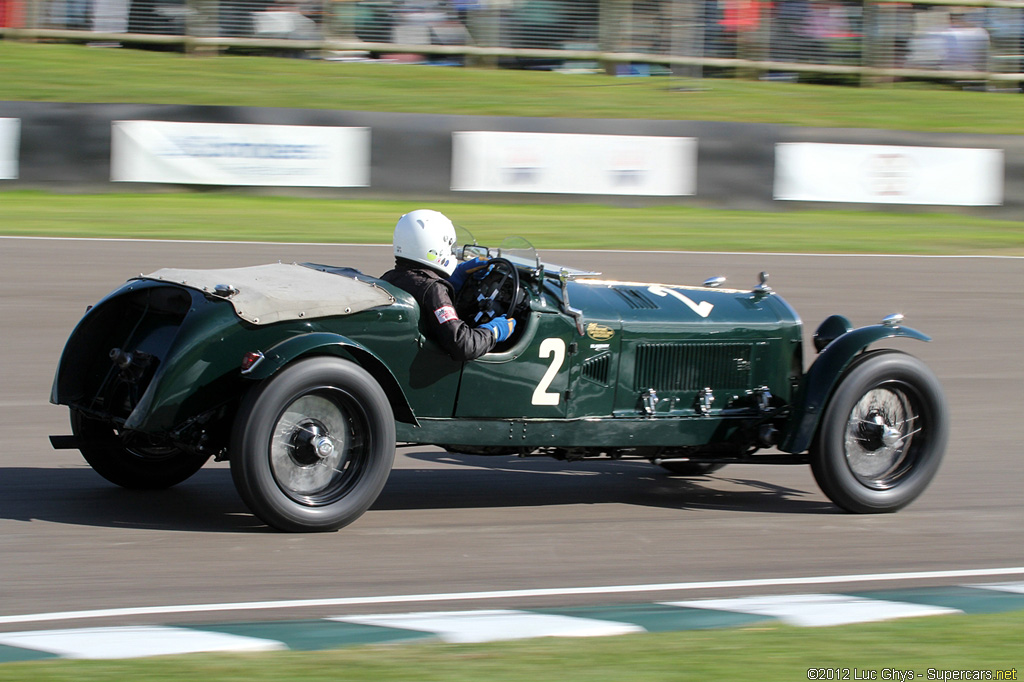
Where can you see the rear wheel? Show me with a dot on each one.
(313, 446)
(131, 461)
(883, 434)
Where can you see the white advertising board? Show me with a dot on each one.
(239, 154)
(880, 174)
(10, 138)
(492, 161)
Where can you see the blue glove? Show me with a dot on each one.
(464, 270)
(501, 327)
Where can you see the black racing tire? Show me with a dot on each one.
(883, 434)
(313, 446)
(692, 468)
(133, 463)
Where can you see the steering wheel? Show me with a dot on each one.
(495, 294)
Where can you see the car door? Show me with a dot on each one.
(528, 380)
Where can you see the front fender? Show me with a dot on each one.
(823, 375)
(325, 343)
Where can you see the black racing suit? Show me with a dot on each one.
(434, 294)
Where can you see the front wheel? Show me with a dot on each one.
(313, 446)
(883, 434)
(132, 460)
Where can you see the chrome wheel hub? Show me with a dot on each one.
(309, 449)
(878, 436)
(324, 447)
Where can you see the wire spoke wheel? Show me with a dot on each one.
(318, 449)
(313, 445)
(880, 436)
(883, 434)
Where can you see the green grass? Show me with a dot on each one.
(72, 73)
(232, 217)
(769, 653)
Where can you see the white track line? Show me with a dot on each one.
(612, 251)
(509, 594)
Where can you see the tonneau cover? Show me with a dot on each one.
(282, 291)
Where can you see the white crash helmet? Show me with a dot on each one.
(426, 237)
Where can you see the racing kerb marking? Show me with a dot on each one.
(511, 594)
(493, 625)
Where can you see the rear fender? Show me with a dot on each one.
(824, 374)
(324, 343)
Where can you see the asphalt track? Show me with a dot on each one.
(69, 541)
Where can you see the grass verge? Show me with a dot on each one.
(217, 216)
(74, 73)
(769, 652)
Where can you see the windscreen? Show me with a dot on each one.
(520, 251)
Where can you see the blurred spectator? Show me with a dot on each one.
(1006, 28)
(789, 31)
(716, 43)
(951, 41)
(741, 16)
(835, 27)
(428, 22)
(891, 29)
(410, 22)
(373, 21)
(965, 45)
(741, 20)
(463, 8)
(285, 20)
(537, 23)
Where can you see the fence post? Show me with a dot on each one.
(31, 20)
(871, 51)
(606, 32)
(201, 21)
(484, 26)
(686, 38)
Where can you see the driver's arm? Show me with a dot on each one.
(460, 340)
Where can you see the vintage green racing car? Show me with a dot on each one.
(306, 376)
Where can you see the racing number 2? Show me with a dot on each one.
(555, 349)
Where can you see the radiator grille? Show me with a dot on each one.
(692, 366)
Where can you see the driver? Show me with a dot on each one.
(425, 267)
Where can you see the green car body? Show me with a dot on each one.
(688, 377)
